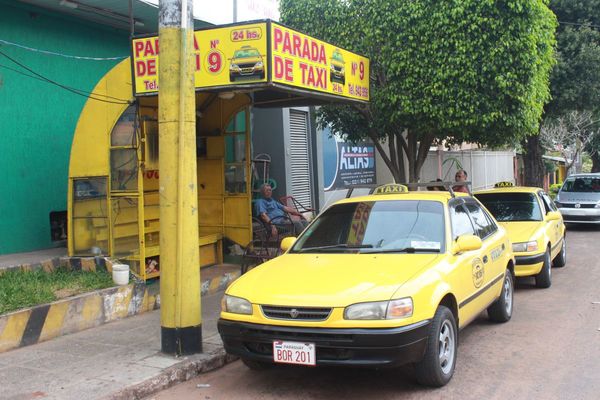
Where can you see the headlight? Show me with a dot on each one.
(524, 247)
(234, 66)
(597, 205)
(236, 305)
(258, 64)
(393, 309)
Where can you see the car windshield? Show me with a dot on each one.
(337, 56)
(512, 206)
(244, 53)
(402, 226)
(582, 184)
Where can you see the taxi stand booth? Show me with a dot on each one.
(113, 192)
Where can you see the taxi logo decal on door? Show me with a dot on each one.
(478, 273)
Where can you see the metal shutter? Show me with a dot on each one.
(300, 158)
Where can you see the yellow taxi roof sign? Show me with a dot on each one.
(503, 184)
(390, 188)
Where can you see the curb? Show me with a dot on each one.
(187, 369)
(74, 314)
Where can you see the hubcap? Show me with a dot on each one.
(447, 341)
(508, 294)
(549, 264)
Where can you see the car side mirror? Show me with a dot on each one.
(287, 242)
(553, 216)
(467, 243)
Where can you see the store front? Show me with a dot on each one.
(114, 166)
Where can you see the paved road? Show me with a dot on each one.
(549, 350)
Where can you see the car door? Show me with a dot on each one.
(464, 265)
(493, 266)
(553, 229)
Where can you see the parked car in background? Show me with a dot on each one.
(375, 281)
(579, 199)
(534, 226)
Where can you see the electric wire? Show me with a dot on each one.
(6, 42)
(78, 92)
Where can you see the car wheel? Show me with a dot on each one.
(256, 365)
(544, 278)
(501, 310)
(561, 259)
(437, 366)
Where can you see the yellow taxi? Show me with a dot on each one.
(378, 280)
(535, 228)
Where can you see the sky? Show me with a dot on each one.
(221, 11)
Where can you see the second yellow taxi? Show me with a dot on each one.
(535, 228)
(378, 281)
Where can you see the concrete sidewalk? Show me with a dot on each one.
(119, 360)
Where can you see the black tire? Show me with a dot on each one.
(543, 280)
(561, 259)
(256, 365)
(501, 310)
(432, 370)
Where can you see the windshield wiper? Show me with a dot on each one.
(342, 246)
(405, 250)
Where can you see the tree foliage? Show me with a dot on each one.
(575, 80)
(469, 70)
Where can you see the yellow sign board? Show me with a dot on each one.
(305, 62)
(260, 53)
(222, 57)
(390, 188)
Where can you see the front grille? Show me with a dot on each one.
(296, 313)
(247, 66)
(570, 218)
(572, 205)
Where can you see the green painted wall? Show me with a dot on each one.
(37, 119)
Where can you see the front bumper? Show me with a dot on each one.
(529, 265)
(378, 347)
(580, 215)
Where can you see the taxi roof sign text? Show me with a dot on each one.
(504, 184)
(390, 188)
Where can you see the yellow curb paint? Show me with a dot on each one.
(47, 266)
(121, 302)
(54, 321)
(214, 285)
(11, 335)
(91, 313)
(88, 264)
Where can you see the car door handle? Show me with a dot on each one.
(485, 259)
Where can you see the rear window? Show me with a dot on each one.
(583, 184)
(512, 206)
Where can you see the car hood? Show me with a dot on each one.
(521, 231)
(329, 280)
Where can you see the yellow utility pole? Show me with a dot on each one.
(180, 315)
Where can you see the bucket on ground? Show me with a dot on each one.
(120, 274)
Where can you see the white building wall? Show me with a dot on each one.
(484, 168)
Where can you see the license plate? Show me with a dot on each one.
(294, 353)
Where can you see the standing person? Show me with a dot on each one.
(461, 176)
(268, 209)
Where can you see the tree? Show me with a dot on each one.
(575, 79)
(474, 70)
(570, 135)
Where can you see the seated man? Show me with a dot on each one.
(269, 209)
